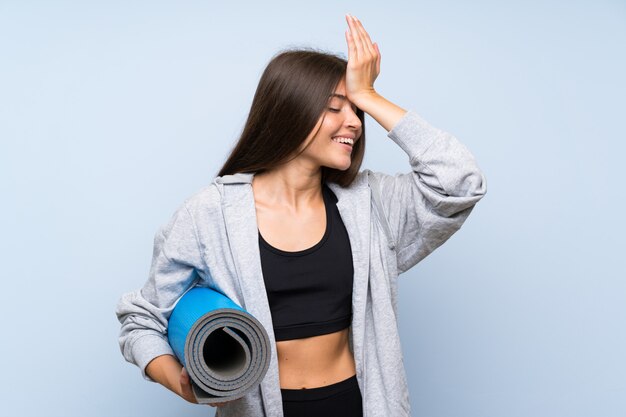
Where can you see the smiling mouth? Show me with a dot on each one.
(348, 141)
(345, 145)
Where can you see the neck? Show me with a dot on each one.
(290, 186)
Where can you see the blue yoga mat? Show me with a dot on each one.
(225, 350)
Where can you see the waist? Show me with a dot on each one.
(315, 361)
(312, 394)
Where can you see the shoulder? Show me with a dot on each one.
(206, 197)
(203, 204)
(209, 198)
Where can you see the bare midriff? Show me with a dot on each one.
(316, 361)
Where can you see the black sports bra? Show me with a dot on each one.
(310, 291)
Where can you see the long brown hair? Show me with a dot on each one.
(292, 95)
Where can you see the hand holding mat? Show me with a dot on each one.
(224, 349)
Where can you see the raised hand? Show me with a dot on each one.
(363, 68)
(363, 61)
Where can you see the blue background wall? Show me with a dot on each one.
(113, 112)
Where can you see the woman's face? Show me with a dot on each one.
(339, 120)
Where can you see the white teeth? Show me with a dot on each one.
(344, 140)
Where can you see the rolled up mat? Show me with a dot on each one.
(225, 350)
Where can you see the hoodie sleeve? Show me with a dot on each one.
(177, 263)
(426, 206)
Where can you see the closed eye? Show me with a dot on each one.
(334, 110)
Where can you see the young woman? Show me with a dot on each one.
(292, 231)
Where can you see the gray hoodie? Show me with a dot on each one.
(393, 222)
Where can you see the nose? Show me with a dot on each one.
(353, 121)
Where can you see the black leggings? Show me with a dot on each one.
(342, 399)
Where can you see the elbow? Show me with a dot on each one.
(472, 185)
(478, 185)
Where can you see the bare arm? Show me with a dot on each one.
(167, 371)
(382, 110)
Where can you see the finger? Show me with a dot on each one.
(356, 37)
(351, 47)
(352, 35)
(367, 42)
(377, 58)
(184, 377)
(185, 385)
(366, 51)
(362, 31)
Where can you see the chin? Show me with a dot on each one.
(342, 167)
